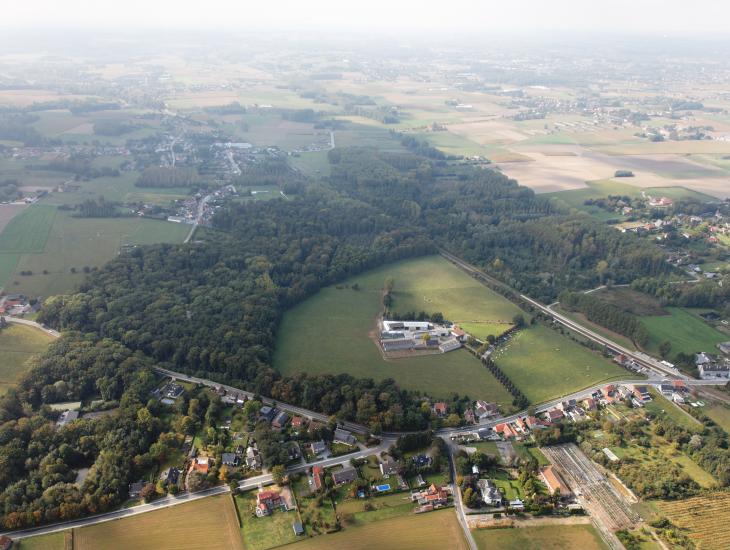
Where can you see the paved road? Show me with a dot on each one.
(312, 415)
(198, 218)
(26, 322)
(118, 514)
(458, 501)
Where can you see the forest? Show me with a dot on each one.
(212, 309)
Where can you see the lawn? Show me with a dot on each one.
(206, 524)
(546, 365)
(686, 331)
(85, 242)
(318, 517)
(553, 537)
(720, 414)
(348, 316)
(28, 231)
(267, 532)
(353, 512)
(18, 343)
(412, 532)
(528, 451)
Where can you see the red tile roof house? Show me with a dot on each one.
(505, 430)
(297, 422)
(590, 404)
(532, 422)
(267, 502)
(440, 408)
(433, 495)
(317, 473)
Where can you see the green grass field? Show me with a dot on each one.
(553, 537)
(720, 414)
(347, 316)
(546, 365)
(28, 231)
(438, 529)
(433, 284)
(660, 406)
(54, 541)
(18, 343)
(686, 331)
(79, 242)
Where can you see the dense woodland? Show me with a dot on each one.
(212, 309)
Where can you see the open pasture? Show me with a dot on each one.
(704, 517)
(438, 529)
(267, 532)
(80, 242)
(553, 537)
(545, 365)
(348, 319)
(686, 331)
(18, 344)
(28, 231)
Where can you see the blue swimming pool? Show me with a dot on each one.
(382, 488)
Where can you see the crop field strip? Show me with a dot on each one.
(705, 517)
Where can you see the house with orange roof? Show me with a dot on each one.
(440, 409)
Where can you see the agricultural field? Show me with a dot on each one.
(438, 529)
(53, 541)
(686, 331)
(348, 318)
(18, 343)
(206, 524)
(546, 365)
(28, 232)
(704, 519)
(267, 532)
(551, 537)
(75, 243)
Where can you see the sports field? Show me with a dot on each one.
(342, 323)
(206, 524)
(686, 331)
(18, 343)
(412, 532)
(550, 537)
(84, 242)
(546, 365)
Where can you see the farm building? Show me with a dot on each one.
(553, 481)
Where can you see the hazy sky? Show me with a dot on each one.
(656, 16)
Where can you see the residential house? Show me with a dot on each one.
(317, 478)
(280, 420)
(297, 423)
(719, 368)
(421, 461)
(344, 437)
(554, 415)
(533, 422)
(521, 425)
(469, 416)
(267, 413)
(590, 404)
(318, 447)
(486, 410)
(553, 481)
(643, 393)
(505, 430)
(170, 476)
(475, 470)
(67, 417)
(440, 409)
(458, 333)
(230, 459)
(666, 389)
(253, 459)
(267, 502)
(136, 488)
(200, 464)
(346, 475)
(433, 495)
(678, 398)
(491, 496)
(389, 467)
